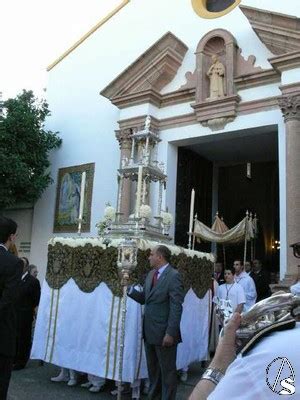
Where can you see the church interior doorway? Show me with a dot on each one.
(231, 173)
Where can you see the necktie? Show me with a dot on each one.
(155, 278)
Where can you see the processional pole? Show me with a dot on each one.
(127, 261)
(255, 235)
(251, 238)
(191, 218)
(194, 237)
(246, 231)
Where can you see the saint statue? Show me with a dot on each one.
(216, 74)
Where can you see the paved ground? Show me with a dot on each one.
(33, 383)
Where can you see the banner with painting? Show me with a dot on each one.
(68, 198)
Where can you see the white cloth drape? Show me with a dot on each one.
(194, 330)
(81, 331)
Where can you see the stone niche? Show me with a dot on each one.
(216, 99)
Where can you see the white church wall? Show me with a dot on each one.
(159, 113)
(290, 76)
(192, 132)
(23, 216)
(291, 7)
(86, 121)
(260, 92)
(141, 109)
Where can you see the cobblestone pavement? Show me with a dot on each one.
(33, 383)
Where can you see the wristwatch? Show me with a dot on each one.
(212, 374)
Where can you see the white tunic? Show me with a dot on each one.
(233, 292)
(249, 377)
(295, 289)
(249, 288)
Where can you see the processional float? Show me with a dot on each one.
(144, 169)
(124, 243)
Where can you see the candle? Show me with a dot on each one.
(139, 191)
(144, 191)
(191, 215)
(120, 194)
(132, 150)
(82, 190)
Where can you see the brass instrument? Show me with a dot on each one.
(278, 312)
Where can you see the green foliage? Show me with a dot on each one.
(24, 150)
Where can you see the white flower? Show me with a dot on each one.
(145, 211)
(109, 213)
(167, 218)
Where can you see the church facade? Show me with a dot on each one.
(221, 84)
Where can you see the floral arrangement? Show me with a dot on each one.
(101, 225)
(167, 218)
(145, 211)
(109, 216)
(109, 213)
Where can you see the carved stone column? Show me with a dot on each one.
(290, 106)
(125, 141)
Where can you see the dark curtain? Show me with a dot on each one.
(237, 194)
(195, 172)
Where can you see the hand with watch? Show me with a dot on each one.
(225, 354)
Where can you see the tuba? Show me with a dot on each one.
(277, 312)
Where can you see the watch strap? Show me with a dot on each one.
(212, 374)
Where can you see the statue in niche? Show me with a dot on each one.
(216, 74)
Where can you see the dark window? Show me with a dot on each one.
(218, 5)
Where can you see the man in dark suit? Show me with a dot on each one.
(30, 292)
(162, 296)
(261, 281)
(10, 276)
(219, 273)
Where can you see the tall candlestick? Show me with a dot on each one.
(132, 150)
(144, 191)
(160, 194)
(191, 216)
(139, 191)
(147, 151)
(81, 205)
(120, 194)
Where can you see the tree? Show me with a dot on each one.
(24, 150)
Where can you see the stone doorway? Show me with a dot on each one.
(216, 166)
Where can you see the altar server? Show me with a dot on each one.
(246, 282)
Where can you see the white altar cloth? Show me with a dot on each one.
(81, 331)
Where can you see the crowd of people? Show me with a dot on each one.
(19, 298)
(237, 288)
(241, 286)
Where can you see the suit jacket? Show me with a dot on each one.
(30, 292)
(220, 279)
(163, 306)
(261, 281)
(11, 268)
